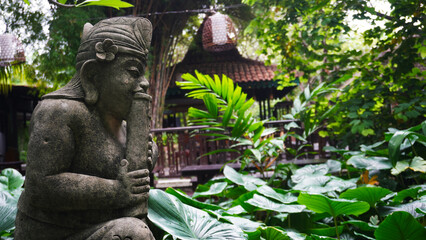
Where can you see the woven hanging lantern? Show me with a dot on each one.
(11, 50)
(219, 33)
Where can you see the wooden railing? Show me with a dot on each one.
(184, 146)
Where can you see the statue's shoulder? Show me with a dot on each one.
(60, 109)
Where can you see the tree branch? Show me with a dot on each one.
(384, 16)
(61, 5)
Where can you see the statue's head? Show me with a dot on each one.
(110, 62)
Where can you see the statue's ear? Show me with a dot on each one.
(87, 75)
(86, 30)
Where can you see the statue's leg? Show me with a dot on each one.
(28, 228)
(127, 228)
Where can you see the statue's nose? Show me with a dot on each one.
(144, 84)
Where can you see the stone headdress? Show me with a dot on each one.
(102, 42)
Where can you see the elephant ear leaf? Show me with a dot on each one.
(273, 233)
(186, 222)
(399, 226)
(11, 179)
(8, 211)
(334, 207)
(371, 195)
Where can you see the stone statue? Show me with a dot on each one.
(88, 173)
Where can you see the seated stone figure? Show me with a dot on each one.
(84, 180)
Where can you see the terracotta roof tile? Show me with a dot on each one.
(230, 63)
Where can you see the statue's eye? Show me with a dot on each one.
(134, 72)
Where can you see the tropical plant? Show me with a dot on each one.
(309, 109)
(321, 201)
(11, 182)
(227, 118)
(261, 212)
(401, 152)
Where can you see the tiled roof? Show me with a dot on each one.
(230, 63)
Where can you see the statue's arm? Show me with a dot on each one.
(51, 185)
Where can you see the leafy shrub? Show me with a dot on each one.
(11, 182)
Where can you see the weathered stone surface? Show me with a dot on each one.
(87, 173)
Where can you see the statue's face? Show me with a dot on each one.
(117, 82)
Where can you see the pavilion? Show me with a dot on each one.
(254, 77)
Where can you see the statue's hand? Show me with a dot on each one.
(134, 185)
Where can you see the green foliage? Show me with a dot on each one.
(413, 192)
(56, 64)
(186, 222)
(401, 152)
(400, 225)
(334, 207)
(117, 4)
(313, 203)
(381, 69)
(249, 182)
(308, 110)
(271, 233)
(371, 195)
(11, 182)
(262, 202)
(214, 189)
(6, 75)
(17, 16)
(264, 205)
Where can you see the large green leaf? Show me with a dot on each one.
(400, 226)
(241, 201)
(417, 164)
(245, 224)
(186, 222)
(273, 233)
(369, 163)
(249, 182)
(277, 194)
(264, 203)
(10, 179)
(324, 184)
(410, 208)
(316, 237)
(361, 225)
(326, 231)
(371, 195)
(237, 210)
(192, 202)
(215, 188)
(412, 192)
(117, 4)
(8, 211)
(334, 207)
(309, 171)
(395, 145)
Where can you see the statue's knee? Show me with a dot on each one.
(130, 229)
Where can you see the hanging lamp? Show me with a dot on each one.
(219, 33)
